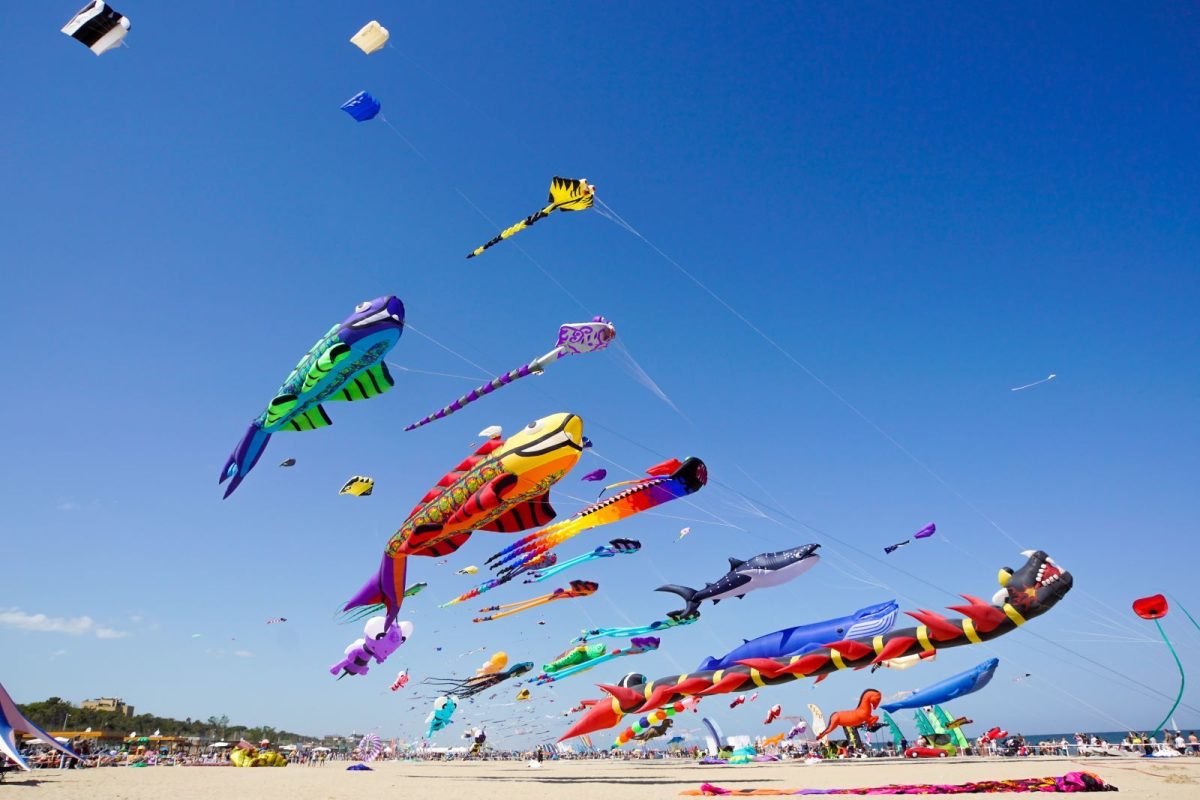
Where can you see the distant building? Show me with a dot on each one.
(108, 704)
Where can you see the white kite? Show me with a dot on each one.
(1048, 378)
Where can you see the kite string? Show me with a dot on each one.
(394, 365)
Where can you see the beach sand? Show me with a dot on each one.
(1174, 779)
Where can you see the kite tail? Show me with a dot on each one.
(384, 589)
(475, 394)
(471, 594)
(244, 457)
(1182, 678)
(507, 232)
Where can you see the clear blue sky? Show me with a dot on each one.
(925, 208)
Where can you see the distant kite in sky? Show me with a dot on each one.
(683, 532)
(573, 338)
(566, 194)
(576, 589)
(924, 533)
(370, 37)
(362, 107)
(1047, 379)
(658, 626)
(345, 364)
(358, 486)
(276, 620)
(595, 475)
(613, 548)
(288, 462)
(98, 27)
(469, 570)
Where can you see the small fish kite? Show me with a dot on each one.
(737, 701)
(415, 589)
(358, 486)
(362, 107)
(577, 589)
(276, 620)
(682, 533)
(401, 681)
(573, 338)
(595, 475)
(669, 480)
(773, 714)
(288, 462)
(470, 570)
(593, 656)
(345, 364)
(658, 626)
(924, 533)
(615, 547)
(1047, 379)
(566, 194)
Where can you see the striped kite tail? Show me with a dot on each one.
(507, 232)
(473, 395)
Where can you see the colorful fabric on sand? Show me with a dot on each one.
(1071, 782)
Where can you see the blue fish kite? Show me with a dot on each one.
(345, 364)
(869, 621)
(955, 686)
(613, 548)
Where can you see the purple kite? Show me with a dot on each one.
(924, 533)
(595, 475)
(12, 722)
(573, 337)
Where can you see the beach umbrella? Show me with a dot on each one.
(1154, 608)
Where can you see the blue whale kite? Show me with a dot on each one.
(869, 621)
(345, 364)
(955, 686)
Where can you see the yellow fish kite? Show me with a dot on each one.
(566, 194)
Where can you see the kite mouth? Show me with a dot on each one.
(568, 434)
(391, 312)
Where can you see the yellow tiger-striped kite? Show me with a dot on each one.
(566, 194)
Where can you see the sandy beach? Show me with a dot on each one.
(581, 780)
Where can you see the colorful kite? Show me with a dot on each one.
(669, 480)
(345, 364)
(595, 655)
(683, 532)
(98, 27)
(577, 589)
(288, 462)
(905, 662)
(773, 713)
(523, 695)
(504, 487)
(595, 475)
(497, 662)
(12, 723)
(477, 684)
(737, 701)
(760, 572)
(1155, 608)
(868, 621)
(797, 729)
(615, 547)
(415, 589)
(358, 486)
(964, 683)
(362, 107)
(654, 719)
(276, 620)
(658, 626)
(1026, 593)
(439, 718)
(401, 681)
(1071, 782)
(378, 642)
(862, 715)
(573, 338)
(468, 570)
(370, 37)
(924, 533)
(370, 747)
(566, 194)
(545, 560)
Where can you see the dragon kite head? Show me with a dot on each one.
(1035, 587)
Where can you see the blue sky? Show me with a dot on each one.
(924, 208)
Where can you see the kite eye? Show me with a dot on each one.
(535, 426)
(361, 307)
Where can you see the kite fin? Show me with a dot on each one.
(310, 420)
(734, 563)
(323, 364)
(244, 457)
(370, 382)
(279, 407)
(685, 592)
(533, 513)
(384, 589)
(488, 497)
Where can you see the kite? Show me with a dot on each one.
(654, 719)
(867, 621)
(370, 747)
(1027, 593)
(1022, 678)
(760, 572)
(669, 480)
(964, 683)
(378, 642)
(469, 570)
(959, 722)
(362, 107)
(576, 589)
(773, 713)
(1155, 608)
(1046, 379)
(497, 662)
(439, 718)
(753, 697)
(595, 475)
(593, 656)
(504, 487)
(359, 486)
(495, 432)
(247, 755)
(401, 681)
(370, 37)
(523, 695)
(544, 560)
(905, 662)
(566, 194)
(573, 338)
(345, 364)
(13, 722)
(797, 729)
(862, 715)
(658, 626)
(615, 547)
(737, 701)
(464, 688)
(276, 620)
(924, 533)
(415, 589)
(1071, 782)
(683, 532)
(98, 27)
(288, 462)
